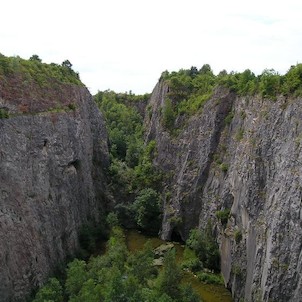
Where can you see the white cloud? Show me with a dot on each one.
(125, 45)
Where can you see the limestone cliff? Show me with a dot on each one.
(242, 154)
(53, 153)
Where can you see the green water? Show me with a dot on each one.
(208, 293)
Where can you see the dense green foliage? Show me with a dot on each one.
(119, 276)
(189, 89)
(206, 248)
(132, 173)
(51, 291)
(131, 159)
(36, 71)
(124, 125)
(147, 210)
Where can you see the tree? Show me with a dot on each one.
(141, 264)
(205, 246)
(269, 83)
(76, 276)
(147, 210)
(246, 82)
(193, 72)
(35, 58)
(112, 220)
(206, 68)
(89, 292)
(169, 278)
(67, 64)
(51, 291)
(293, 80)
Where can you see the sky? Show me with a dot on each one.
(125, 45)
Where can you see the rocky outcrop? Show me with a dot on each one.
(53, 153)
(243, 154)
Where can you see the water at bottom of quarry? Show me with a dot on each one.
(208, 292)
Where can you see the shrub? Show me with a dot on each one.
(51, 291)
(238, 236)
(223, 216)
(239, 135)
(224, 167)
(210, 278)
(89, 234)
(72, 106)
(236, 270)
(147, 210)
(112, 220)
(228, 119)
(3, 113)
(168, 115)
(193, 264)
(205, 246)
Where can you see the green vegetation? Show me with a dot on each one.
(201, 256)
(89, 236)
(239, 135)
(38, 72)
(236, 270)
(51, 291)
(168, 115)
(119, 276)
(191, 261)
(229, 118)
(132, 173)
(203, 243)
(210, 278)
(189, 89)
(3, 113)
(147, 209)
(124, 126)
(224, 167)
(238, 236)
(223, 216)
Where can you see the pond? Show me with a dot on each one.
(208, 292)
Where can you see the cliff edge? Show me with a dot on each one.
(53, 153)
(239, 155)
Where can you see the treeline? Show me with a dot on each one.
(119, 276)
(189, 89)
(41, 73)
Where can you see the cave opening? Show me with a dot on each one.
(176, 237)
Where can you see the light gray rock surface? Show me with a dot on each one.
(252, 166)
(52, 182)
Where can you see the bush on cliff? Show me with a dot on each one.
(205, 246)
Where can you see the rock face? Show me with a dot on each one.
(243, 154)
(53, 153)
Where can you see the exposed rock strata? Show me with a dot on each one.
(253, 166)
(53, 153)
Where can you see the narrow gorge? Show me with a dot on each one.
(226, 151)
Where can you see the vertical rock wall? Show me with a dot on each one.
(52, 161)
(251, 165)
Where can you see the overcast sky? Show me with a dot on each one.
(126, 44)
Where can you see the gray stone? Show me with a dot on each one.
(51, 183)
(262, 186)
(163, 249)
